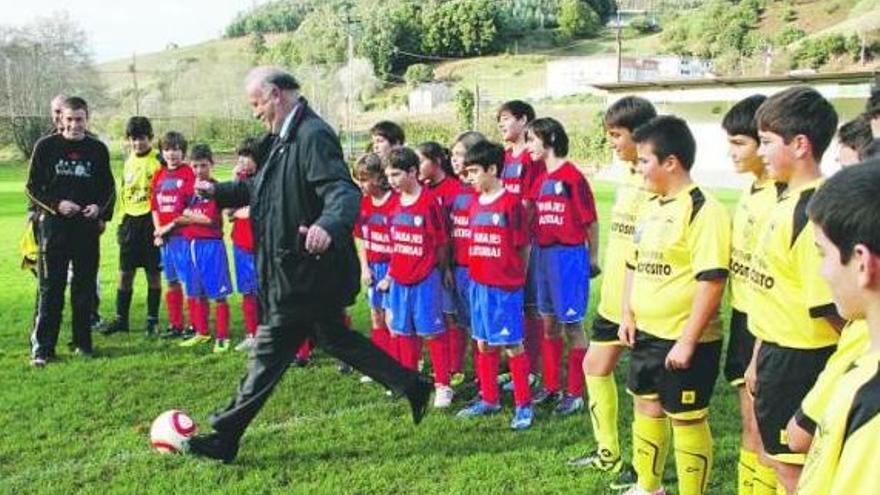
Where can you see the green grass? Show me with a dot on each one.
(80, 426)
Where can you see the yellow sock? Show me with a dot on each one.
(765, 480)
(746, 471)
(602, 393)
(650, 447)
(693, 457)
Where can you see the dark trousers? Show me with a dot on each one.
(275, 348)
(65, 243)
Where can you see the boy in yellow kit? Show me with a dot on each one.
(846, 215)
(795, 325)
(675, 279)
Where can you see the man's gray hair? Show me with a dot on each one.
(268, 77)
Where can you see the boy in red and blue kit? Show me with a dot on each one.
(243, 246)
(567, 237)
(208, 275)
(171, 187)
(414, 305)
(519, 173)
(498, 250)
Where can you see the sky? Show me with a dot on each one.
(118, 28)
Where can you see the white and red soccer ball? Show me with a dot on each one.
(171, 431)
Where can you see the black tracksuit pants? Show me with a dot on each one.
(65, 242)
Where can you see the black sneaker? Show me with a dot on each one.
(301, 362)
(115, 326)
(419, 398)
(545, 397)
(344, 368)
(596, 461)
(626, 479)
(152, 328)
(214, 446)
(172, 333)
(189, 332)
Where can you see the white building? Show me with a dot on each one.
(579, 75)
(427, 97)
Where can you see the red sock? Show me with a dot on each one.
(196, 315)
(551, 352)
(205, 306)
(305, 350)
(410, 348)
(534, 335)
(380, 338)
(249, 309)
(453, 339)
(519, 368)
(393, 348)
(174, 303)
(222, 315)
(489, 362)
(576, 371)
(439, 349)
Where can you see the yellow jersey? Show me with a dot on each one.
(845, 448)
(752, 210)
(137, 183)
(679, 241)
(629, 199)
(792, 298)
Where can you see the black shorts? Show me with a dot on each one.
(740, 346)
(785, 375)
(136, 248)
(683, 394)
(604, 332)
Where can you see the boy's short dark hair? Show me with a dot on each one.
(551, 133)
(371, 164)
(468, 139)
(847, 210)
(202, 151)
(800, 110)
(173, 140)
(740, 119)
(392, 132)
(402, 159)
(76, 103)
(629, 113)
(139, 126)
(485, 154)
(871, 151)
(668, 136)
(872, 107)
(518, 109)
(248, 147)
(856, 133)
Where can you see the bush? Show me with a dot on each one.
(460, 28)
(789, 14)
(789, 35)
(465, 104)
(577, 19)
(816, 52)
(418, 73)
(643, 25)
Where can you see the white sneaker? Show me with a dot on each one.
(635, 490)
(366, 379)
(246, 345)
(443, 397)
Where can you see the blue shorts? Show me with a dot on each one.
(245, 271)
(497, 315)
(175, 258)
(531, 289)
(416, 309)
(563, 277)
(209, 270)
(376, 298)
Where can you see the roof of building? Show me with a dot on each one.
(791, 78)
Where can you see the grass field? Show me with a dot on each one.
(80, 426)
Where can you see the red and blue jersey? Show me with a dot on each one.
(498, 232)
(460, 214)
(520, 172)
(171, 189)
(417, 230)
(373, 226)
(564, 207)
(242, 232)
(207, 207)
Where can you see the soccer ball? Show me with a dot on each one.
(171, 431)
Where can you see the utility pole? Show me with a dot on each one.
(134, 78)
(349, 104)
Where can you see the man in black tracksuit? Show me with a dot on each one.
(303, 205)
(71, 184)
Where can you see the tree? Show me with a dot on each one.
(38, 61)
(465, 103)
(460, 28)
(387, 30)
(577, 19)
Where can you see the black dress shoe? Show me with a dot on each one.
(115, 326)
(419, 397)
(214, 446)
